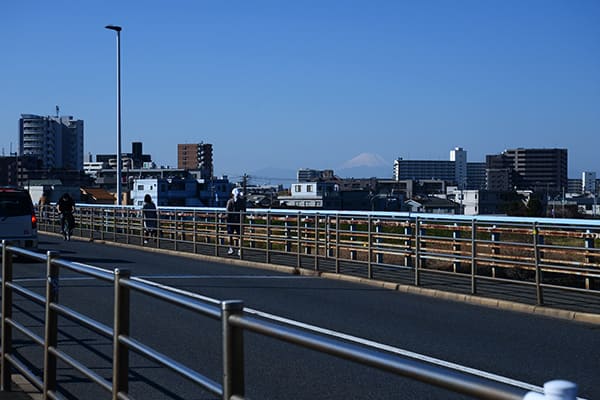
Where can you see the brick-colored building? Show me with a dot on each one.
(197, 156)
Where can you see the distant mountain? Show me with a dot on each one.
(370, 160)
(365, 165)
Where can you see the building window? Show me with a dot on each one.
(309, 188)
(140, 187)
(297, 188)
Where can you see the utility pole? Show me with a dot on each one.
(244, 183)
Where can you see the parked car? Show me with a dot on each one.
(18, 223)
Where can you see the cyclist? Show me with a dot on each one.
(66, 206)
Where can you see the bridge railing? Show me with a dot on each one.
(235, 321)
(537, 253)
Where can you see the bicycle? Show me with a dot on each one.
(67, 225)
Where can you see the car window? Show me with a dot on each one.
(13, 204)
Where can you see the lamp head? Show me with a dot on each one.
(113, 28)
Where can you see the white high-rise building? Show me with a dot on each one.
(588, 182)
(56, 141)
(459, 156)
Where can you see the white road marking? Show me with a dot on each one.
(398, 351)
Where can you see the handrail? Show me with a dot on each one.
(499, 248)
(387, 214)
(235, 320)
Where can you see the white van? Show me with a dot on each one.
(18, 223)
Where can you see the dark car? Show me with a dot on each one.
(18, 223)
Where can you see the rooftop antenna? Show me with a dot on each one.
(57, 111)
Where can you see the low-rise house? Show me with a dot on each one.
(313, 195)
(182, 191)
(433, 205)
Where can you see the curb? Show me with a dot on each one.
(577, 316)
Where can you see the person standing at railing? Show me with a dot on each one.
(236, 205)
(150, 218)
(42, 205)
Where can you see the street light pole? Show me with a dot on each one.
(118, 30)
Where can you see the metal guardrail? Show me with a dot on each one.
(235, 321)
(536, 253)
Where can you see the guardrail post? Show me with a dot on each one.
(555, 390)
(352, 239)
(115, 225)
(268, 244)
(495, 237)
(369, 248)
(299, 244)
(159, 229)
(252, 231)
(241, 236)
(288, 234)
(233, 351)
(417, 250)
(337, 244)
(206, 221)
(473, 256)
(7, 273)
(328, 249)
(589, 244)
(456, 246)
(378, 230)
(91, 213)
(127, 225)
(307, 249)
(103, 223)
(120, 378)
(175, 228)
(537, 240)
(51, 325)
(217, 237)
(316, 242)
(408, 245)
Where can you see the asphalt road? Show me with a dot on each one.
(527, 348)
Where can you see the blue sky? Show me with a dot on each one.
(293, 84)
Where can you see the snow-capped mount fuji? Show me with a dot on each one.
(365, 165)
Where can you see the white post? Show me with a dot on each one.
(555, 390)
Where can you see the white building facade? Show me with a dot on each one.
(588, 182)
(459, 156)
(323, 195)
(56, 141)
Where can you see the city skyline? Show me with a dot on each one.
(306, 84)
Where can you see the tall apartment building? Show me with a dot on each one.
(588, 182)
(459, 156)
(476, 176)
(197, 156)
(457, 170)
(56, 141)
(527, 169)
(424, 169)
